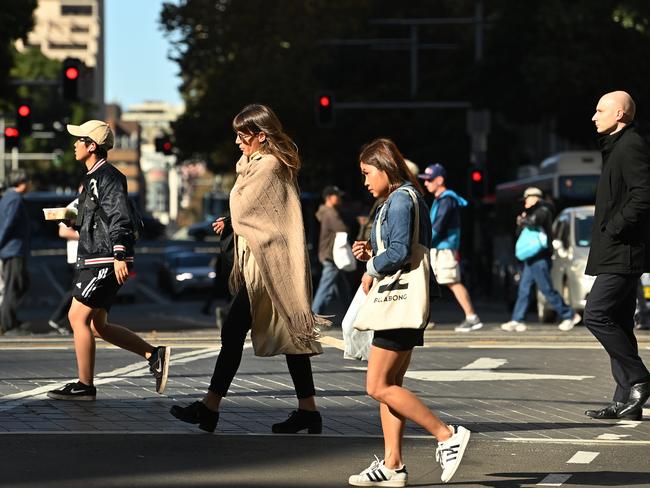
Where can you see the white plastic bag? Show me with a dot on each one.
(357, 342)
(342, 253)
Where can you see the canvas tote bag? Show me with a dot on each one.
(400, 300)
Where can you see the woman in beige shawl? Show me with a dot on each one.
(270, 279)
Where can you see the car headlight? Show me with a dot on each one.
(184, 276)
(212, 275)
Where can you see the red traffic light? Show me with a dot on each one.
(24, 110)
(167, 146)
(11, 132)
(325, 101)
(477, 176)
(72, 73)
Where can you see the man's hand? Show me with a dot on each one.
(121, 271)
(218, 225)
(361, 250)
(366, 282)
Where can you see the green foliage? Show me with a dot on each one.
(16, 20)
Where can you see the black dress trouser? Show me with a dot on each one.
(609, 315)
(16, 281)
(233, 334)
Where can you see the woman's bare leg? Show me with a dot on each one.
(80, 317)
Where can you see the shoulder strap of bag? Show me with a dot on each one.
(416, 222)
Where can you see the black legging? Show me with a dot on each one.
(233, 334)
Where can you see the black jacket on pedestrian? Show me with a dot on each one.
(540, 217)
(620, 238)
(104, 221)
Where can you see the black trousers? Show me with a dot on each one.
(16, 281)
(233, 334)
(60, 313)
(609, 315)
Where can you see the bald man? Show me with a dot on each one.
(620, 252)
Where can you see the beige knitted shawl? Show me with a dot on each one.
(265, 210)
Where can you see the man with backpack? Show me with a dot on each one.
(107, 228)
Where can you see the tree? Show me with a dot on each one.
(16, 20)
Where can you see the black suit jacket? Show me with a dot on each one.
(620, 241)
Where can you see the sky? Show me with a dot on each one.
(137, 68)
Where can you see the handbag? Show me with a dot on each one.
(342, 253)
(399, 300)
(357, 342)
(529, 243)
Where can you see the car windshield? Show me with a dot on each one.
(194, 261)
(583, 224)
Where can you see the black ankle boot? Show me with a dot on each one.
(197, 413)
(300, 420)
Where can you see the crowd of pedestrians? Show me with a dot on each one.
(407, 250)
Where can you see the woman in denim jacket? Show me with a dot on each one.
(386, 175)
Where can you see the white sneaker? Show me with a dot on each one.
(514, 326)
(450, 452)
(470, 325)
(379, 475)
(568, 324)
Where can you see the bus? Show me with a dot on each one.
(568, 179)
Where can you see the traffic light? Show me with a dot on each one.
(12, 137)
(24, 117)
(164, 145)
(476, 183)
(325, 109)
(70, 78)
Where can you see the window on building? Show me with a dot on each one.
(79, 29)
(76, 9)
(57, 45)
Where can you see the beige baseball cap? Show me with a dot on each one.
(97, 130)
(532, 191)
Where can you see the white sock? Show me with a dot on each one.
(471, 317)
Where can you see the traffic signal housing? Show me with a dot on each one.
(164, 145)
(71, 72)
(476, 182)
(12, 137)
(325, 109)
(24, 117)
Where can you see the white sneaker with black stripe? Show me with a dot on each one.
(450, 452)
(379, 475)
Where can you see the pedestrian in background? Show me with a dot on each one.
(271, 277)
(620, 252)
(538, 216)
(387, 176)
(14, 250)
(104, 255)
(333, 293)
(445, 241)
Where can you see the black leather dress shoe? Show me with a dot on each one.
(639, 394)
(612, 411)
(300, 420)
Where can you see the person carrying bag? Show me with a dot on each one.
(398, 282)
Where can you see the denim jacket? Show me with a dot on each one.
(397, 231)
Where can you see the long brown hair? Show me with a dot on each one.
(257, 118)
(383, 154)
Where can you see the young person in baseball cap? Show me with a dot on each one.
(104, 257)
(445, 244)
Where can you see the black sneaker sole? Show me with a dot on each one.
(74, 398)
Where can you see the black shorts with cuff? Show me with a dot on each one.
(96, 287)
(398, 339)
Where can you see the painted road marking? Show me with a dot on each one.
(583, 457)
(483, 370)
(611, 437)
(8, 402)
(554, 480)
(584, 442)
(628, 424)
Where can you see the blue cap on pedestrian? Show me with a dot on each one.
(433, 171)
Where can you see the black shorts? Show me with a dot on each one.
(398, 339)
(96, 287)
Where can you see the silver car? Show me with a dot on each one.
(572, 238)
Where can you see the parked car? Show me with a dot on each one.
(183, 271)
(572, 238)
